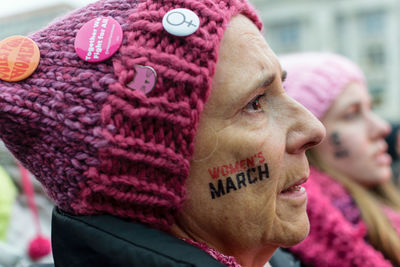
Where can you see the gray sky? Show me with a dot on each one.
(11, 7)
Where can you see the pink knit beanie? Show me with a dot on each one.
(98, 146)
(316, 79)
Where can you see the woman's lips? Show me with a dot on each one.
(294, 191)
(293, 185)
(381, 156)
(383, 159)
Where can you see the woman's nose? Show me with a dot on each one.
(377, 127)
(306, 130)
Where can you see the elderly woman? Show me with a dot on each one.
(353, 206)
(185, 129)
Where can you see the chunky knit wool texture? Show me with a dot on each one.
(316, 79)
(98, 146)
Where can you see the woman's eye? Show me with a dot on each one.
(256, 104)
(352, 114)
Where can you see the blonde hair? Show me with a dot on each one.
(381, 233)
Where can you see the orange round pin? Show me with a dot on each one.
(19, 58)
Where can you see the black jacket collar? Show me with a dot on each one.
(109, 241)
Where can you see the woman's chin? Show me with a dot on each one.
(380, 176)
(300, 235)
(295, 232)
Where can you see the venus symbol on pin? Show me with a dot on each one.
(181, 22)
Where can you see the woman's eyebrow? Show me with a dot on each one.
(265, 79)
(268, 80)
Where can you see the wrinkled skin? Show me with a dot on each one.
(242, 118)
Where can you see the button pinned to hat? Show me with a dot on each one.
(145, 79)
(99, 39)
(19, 58)
(181, 22)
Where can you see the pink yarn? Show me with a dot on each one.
(229, 261)
(333, 240)
(40, 246)
(98, 146)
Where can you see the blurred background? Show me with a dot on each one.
(366, 31)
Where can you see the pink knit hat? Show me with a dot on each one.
(98, 146)
(316, 79)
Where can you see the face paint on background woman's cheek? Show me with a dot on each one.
(235, 176)
(339, 150)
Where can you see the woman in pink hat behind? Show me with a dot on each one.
(181, 149)
(353, 207)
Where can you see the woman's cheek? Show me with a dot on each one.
(234, 176)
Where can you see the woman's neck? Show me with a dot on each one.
(246, 257)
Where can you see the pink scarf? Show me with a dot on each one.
(227, 260)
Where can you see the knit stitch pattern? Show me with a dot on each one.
(98, 146)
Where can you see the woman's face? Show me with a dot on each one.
(355, 144)
(242, 191)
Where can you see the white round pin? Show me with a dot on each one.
(181, 22)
